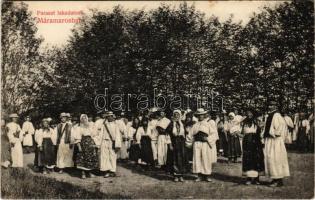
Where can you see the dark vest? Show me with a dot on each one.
(268, 125)
(60, 132)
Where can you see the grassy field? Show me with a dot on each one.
(135, 183)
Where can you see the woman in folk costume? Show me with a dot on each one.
(163, 139)
(146, 153)
(64, 146)
(134, 138)
(204, 146)
(110, 139)
(290, 127)
(295, 130)
(188, 125)
(276, 159)
(15, 135)
(29, 131)
(222, 142)
(177, 155)
(253, 156)
(232, 129)
(303, 132)
(5, 147)
(46, 139)
(86, 158)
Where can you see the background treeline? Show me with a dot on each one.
(175, 50)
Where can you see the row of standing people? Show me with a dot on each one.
(168, 142)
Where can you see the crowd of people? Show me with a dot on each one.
(186, 142)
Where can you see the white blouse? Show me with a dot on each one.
(40, 134)
(251, 129)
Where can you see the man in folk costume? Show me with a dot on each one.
(204, 146)
(110, 139)
(154, 136)
(15, 135)
(29, 131)
(276, 159)
(65, 148)
(120, 120)
(163, 139)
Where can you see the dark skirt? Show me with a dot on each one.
(177, 157)
(47, 157)
(5, 148)
(222, 142)
(253, 156)
(302, 139)
(134, 152)
(87, 159)
(233, 147)
(146, 150)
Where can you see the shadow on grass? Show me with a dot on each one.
(20, 183)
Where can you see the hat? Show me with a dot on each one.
(177, 111)
(109, 113)
(188, 110)
(13, 115)
(154, 109)
(49, 119)
(68, 114)
(45, 120)
(224, 111)
(63, 115)
(232, 114)
(200, 111)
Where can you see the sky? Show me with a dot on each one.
(58, 33)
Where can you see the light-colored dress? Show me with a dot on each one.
(108, 155)
(122, 154)
(163, 141)
(29, 130)
(276, 158)
(64, 153)
(15, 135)
(203, 155)
(288, 133)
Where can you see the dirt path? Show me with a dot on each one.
(227, 182)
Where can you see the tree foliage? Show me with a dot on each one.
(174, 50)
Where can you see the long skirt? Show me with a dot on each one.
(146, 150)
(177, 156)
(64, 156)
(17, 155)
(253, 155)
(276, 158)
(123, 154)
(162, 149)
(47, 157)
(134, 152)
(108, 157)
(222, 142)
(234, 147)
(28, 140)
(5, 148)
(302, 140)
(88, 158)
